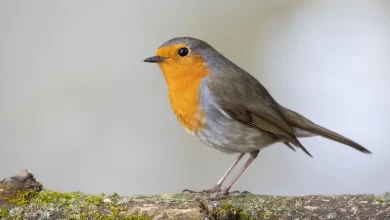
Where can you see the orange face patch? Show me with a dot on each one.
(184, 76)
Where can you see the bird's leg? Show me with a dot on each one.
(251, 158)
(217, 186)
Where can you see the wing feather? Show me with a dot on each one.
(255, 107)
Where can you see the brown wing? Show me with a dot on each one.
(268, 123)
(253, 106)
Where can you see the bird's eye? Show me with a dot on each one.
(183, 52)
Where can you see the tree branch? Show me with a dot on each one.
(22, 197)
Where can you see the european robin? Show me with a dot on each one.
(228, 109)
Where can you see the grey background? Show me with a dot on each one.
(81, 111)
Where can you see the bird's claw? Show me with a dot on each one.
(187, 191)
(206, 191)
(238, 193)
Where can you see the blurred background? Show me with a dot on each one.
(81, 110)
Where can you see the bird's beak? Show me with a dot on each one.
(154, 59)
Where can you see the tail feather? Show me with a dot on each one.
(298, 121)
(337, 137)
(289, 146)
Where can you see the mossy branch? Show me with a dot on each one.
(22, 197)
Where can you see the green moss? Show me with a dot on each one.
(4, 213)
(267, 214)
(78, 205)
(228, 211)
(94, 200)
(48, 204)
(380, 200)
(22, 198)
(115, 194)
(48, 196)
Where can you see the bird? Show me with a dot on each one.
(227, 108)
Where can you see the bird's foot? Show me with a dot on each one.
(215, 189)
(238, 193)
(225, 193)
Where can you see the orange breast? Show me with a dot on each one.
(184, 82)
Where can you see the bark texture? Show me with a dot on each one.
(22, 197)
